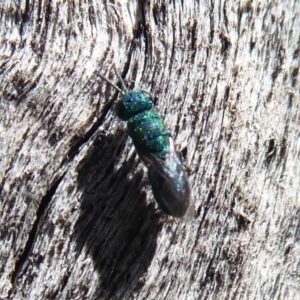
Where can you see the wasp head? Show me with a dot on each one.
(133, 103)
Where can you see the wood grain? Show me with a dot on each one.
(78, 219)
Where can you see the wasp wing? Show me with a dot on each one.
(170, 185)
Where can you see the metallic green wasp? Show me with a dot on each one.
(154, 145)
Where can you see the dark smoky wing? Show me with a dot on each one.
(170, 185)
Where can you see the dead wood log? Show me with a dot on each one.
(78, 219)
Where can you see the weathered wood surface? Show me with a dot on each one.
(78, 220)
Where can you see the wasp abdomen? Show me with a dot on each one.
(169, 182)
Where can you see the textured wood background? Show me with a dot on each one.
(78, 219)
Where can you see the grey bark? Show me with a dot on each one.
(78, 219)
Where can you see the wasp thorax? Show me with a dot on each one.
(133, 103)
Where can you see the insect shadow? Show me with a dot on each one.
(115, 228)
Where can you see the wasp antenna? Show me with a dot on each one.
(124, 87)
(113, 85)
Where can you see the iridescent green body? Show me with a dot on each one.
(145, 126)
(154, 145)
(149, 133)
